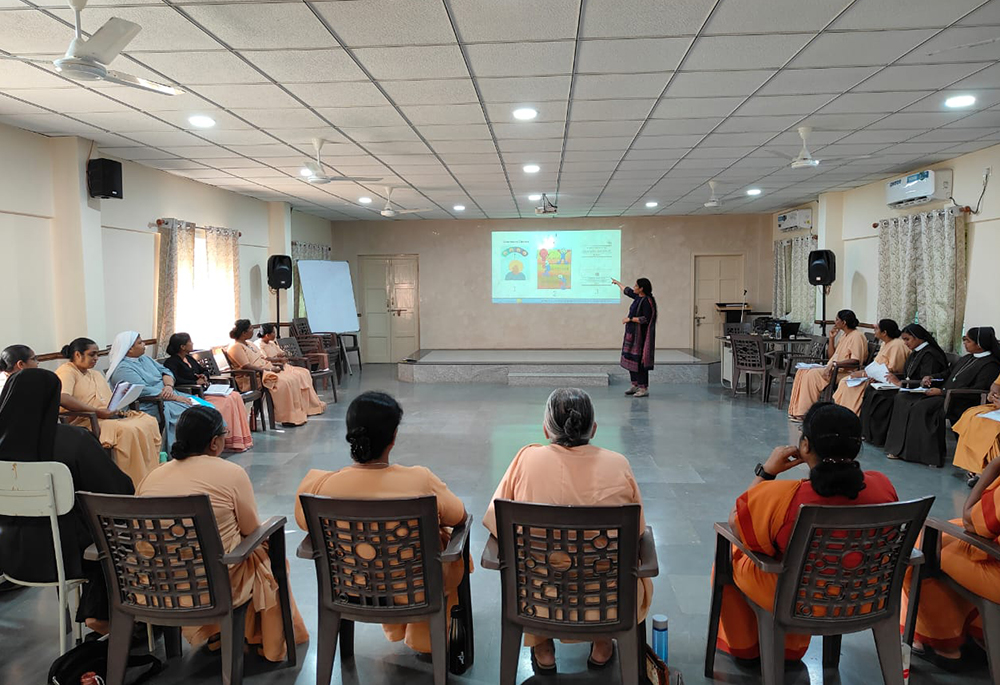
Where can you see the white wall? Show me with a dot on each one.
(34, 201)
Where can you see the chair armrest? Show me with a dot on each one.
(191, 389)
(917, 557)
(649, 565)
(305, 549)
(253, 375)
(958, 391)
(847, 364)
(240, 553)
(95, 426)
(910, 382)
(984, 544)
(491, 555)
(459, 538)
(763, 562)
(92, 554)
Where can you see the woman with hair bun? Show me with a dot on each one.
(372, 422)
(892, 354)
(570, 471)
(16, 358)
(269, 347)
(810, 383)
(196, 469)
(292, 403)
(765, 515)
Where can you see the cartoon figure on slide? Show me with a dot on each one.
(554, 269)
(515, 267)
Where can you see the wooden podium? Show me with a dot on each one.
(733, 312)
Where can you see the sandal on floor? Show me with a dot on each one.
(893, 457)
(538, 668)
(595, 665)
(942, 662)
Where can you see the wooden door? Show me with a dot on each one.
(375, 328)
(717, 278)
(404, 307)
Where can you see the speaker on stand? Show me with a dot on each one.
(279, 277)
(823, 272)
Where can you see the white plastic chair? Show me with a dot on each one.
(43, 489)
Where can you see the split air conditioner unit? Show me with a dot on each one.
(795, 220)
(918, 188)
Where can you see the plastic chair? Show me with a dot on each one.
(989, 611)
(312, 362)
(255, 382)
(818, 593)
(165, 565)
(570, 572)
(43, 489)
(379, 561)
(749, 358)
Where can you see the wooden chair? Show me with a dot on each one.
(749, 358)
(331, 343)
(256, 383)
(839, 560)
(556, 561)
(379, 561)
(164, 565)
(43, 489)
(731, 329)
(354, 346)
(989, 611)
(783, 366)
(313, 363)
(252, 396)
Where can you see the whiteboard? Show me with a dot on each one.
(329, 295)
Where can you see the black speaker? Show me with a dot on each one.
(104, 178)
(279, 271)
(822, 267)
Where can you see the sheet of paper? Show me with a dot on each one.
(885, 386)
(877, 372)
(916, 390)
(992, 416)
(124, 395)
(804, 365)
(855, 382)
(218, 389)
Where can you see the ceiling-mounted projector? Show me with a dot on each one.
(546, 207)
(713, 203)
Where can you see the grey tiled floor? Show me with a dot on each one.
(692, 448)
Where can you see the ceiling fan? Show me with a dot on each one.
(389, 212)
(86, 59)
(805, 159)
(317, 175)
(713, 201)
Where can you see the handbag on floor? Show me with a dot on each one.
(92, 657)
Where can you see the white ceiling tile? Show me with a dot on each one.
(790, 15)
(598, 144)
(745, 139)
(920, 77)
(876, 136)
(503, 112)
(224, 120)
(766, 51)
(514, 20)
(68, 100)
(124, 122)
(917, 120)
(413, 62)
(354, 93)
(470, 146)
(682, 108)
(396, 148)
(841, 122)
(529, 145)
(306, 66)
(388, 22)
(872, 102)
(987, 78)
(774, 105)
(721, 84)
(444, 114)
(987, 119)
(11, 106)
(522, 59)
(161, 26)
(573, 156)
(165, 138)
(382, 134)
(29, 32)
(671, 127)
(29, 75)
(535, 89)
(607, 86)
(985, 98)
(610, 110)
(264, 152)
(431, 92)
(250, 137)
(261, 26)
(861, 48)
(892, 14)
(987, 14)
(528, 130)
(359, 117)
(455, 132)
(190, 68)
(625, 56)
(824, 80)
(772, 124)
(603, 129)
(257, 95)
(638, 18)
(155, 103)
(954, 135)
(134, 153)
(268, 118)
(647, 142)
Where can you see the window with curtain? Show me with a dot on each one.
(922, 272)
(312, 251)
(794, 295)
(199, 283)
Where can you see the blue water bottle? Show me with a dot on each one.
(777, 331)
(660, 636)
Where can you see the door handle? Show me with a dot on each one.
(700, 318)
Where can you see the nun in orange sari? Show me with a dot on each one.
(945, 620)
(765, 514)
(978, 439)
(892, 354)
(274, 354)
(810, 383)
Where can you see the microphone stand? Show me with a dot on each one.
(743, 307)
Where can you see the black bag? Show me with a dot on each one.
(460, 641)
(93, 657)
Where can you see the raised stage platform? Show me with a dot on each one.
(549, 368)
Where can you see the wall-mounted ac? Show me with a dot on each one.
(918, 188)
(795, 220)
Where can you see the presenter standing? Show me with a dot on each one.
(639, 345)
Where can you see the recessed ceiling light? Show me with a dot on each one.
(365, 200)
(305, 172)
(525, 113)
(201, 121)
(753, 192)
(531, 168)
(652, 204)
(958, 101)
(535, 197)
(459, 208)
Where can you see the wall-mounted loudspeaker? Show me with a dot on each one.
(104, 178)
(279, 271)
(822, 267)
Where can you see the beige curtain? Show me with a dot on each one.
(794, 296)
(176, 275)
(922, 272)
(304, 251)
(222, 273)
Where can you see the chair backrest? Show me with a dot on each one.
(300, 326)
(844, 565)
(290, 346)
(207, 359)
(568, 571)
(162, 556)
(952, 358)
(748, 352)
(729, 329)
(222, 359)
(873, 348)
(377, 558)
(35, 488)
